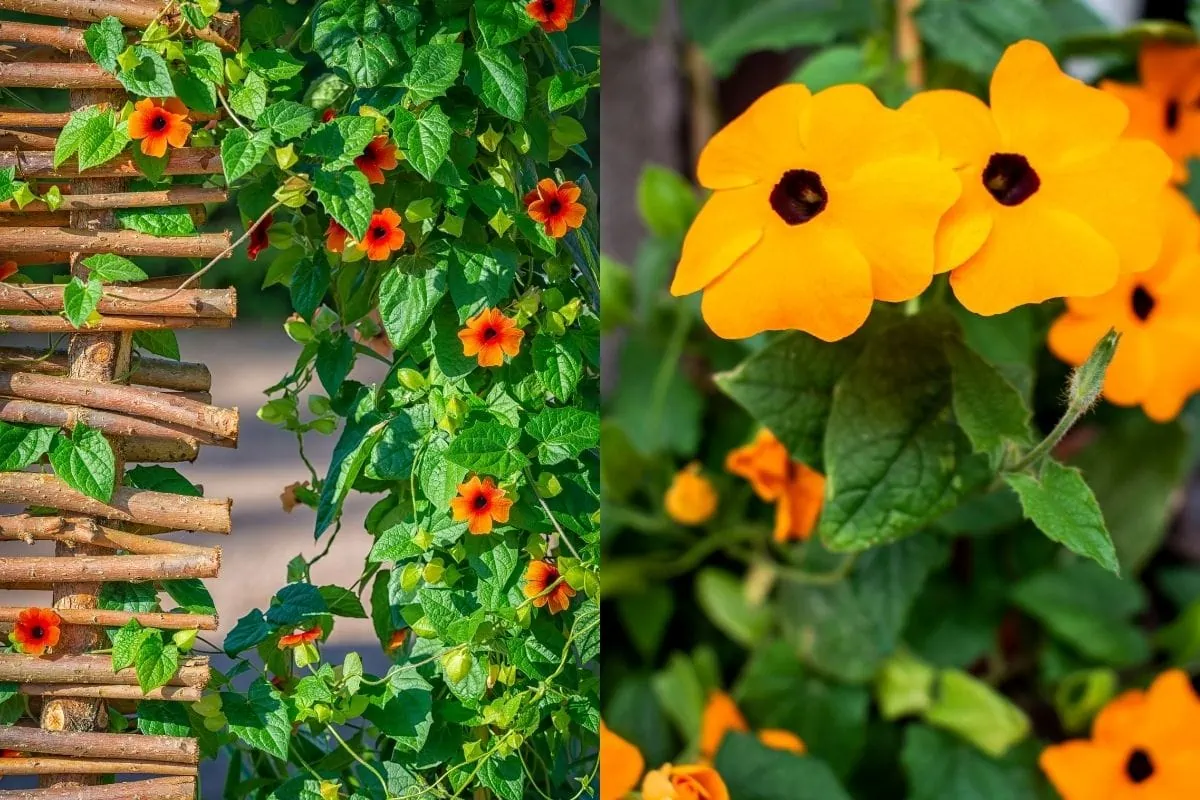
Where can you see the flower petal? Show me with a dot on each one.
(1082, 770)
(760, 144)
(963, 124)
(729, 225)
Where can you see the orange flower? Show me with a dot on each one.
(259, 240)
(1163, 108)
(480, 503)
(303, 637)
(721, 716)
(539, 577)
(8, 269)
(398, 639)
(686, 782)
(690, 499)
(489, 335)
(335, 237)
(777, 478)
(378, 155)
(158, 123)
(10, 754)
(1143, 745)
(621, 765)
(1054, 202)
(384, 235)
(37, 631)
(553, 15)
(1157, 312)
(329, 114)
(556, 206)
(823, 204)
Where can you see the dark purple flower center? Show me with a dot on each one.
(379, 232)
(38, 632)
(799, 196)
(1172, 114)
(490, 333)
(549, 6)
(1010, 178)
(480, 502)
(1139, 767)
(554, 206)
(1143, 303)
(159, 123)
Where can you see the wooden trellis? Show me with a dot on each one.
(151, 410)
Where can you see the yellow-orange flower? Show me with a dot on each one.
(691, 498)
(303, 637)
(553, 15)
(797, 490)
(684, 782)
(621, 765)
(37, 631)
(1157, 312)
(384, 235)
(479, 503)
(158, 123)
(489, 335)
(1054, 202)
(377, 156)
(1143, 745)
(722, 716)
(823, 203)
(335, 237)
(1163, 108)
(556, 206)
(397, 640)
(539, 577)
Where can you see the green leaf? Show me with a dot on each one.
(23, 445)
(250, 98)
(894, 459)
(190, 595)
(939, 767)
(287, 119)
(354, 36)
(500, 82)
(80, 300)
(85, 462)
(402, 439)
(488, 448)
(101, 139)
(347, 198)
(104, 41)
(155, 662)
(338, 142)
(409, 293)
(978, 713)
(1064, 508)
(564, 433)
(753, 771)
(424, 138)
(666, 201)
(434, 69)
(163, 718)
(160, 343)
(558, 365)
(242, 151)
(204, 60)
(788, 387)
(342, 602)
(164, 221)
(250, 631)
(439, 478)
(722, 595)
(126, 643)
(988, 408)
(504, 776)
(1090, 610)
(833, 66)
(500, 22)
(363, 430)
(149, 77)
(274, 65)
(480, 278)
(259, 718)
(67, 142)
(406, 715)
(109, 268)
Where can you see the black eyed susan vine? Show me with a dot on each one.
(416, 176)
(861, 539)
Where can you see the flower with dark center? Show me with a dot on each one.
(540, 576)
(479, 504)
(489, 336)
(799, 196)
(158, 123)
(384, 235)
(1157, 313)
(1057, 200)
(37, 631)
(553, 15)
(379, 155)
(1163, 108)
(556, 207)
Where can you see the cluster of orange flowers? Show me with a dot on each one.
(796, 489)
(622, 765)
(824, 203)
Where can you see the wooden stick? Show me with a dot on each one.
(224, 29)
(175, 196)
(56, 76)
(124, 243)
(139, 506)
(100, 618)
(26, 139)
(152, 404)
(85, 530)
(35, 219)
(60, 37)
(124, 746)
(90, 669)
(50, 120)
(908, 43)
(140, 450)
(133, 301)
(109, 324)
(104, 569)
(175, 788)
(183, 161)
(163, 373)
(29, 54)
(179, 694)
(32, 412)
(88, 766)
(41, 258)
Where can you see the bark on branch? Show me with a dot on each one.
(133, 301)
(32, 412)
(85, 530)
(177, 694)
(101, 618)
(132, 568)
(60, 37)
(175, 196)
(90, 766)
(123, 243)
(162, 373)
(138, 506)
(184, 161)
(224, 30)
(179, 788)
(124, 746)
(56, 76)
(88, 669)
(109, 324)
(140, 450)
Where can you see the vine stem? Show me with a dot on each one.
(562, 536)
(228, 110)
